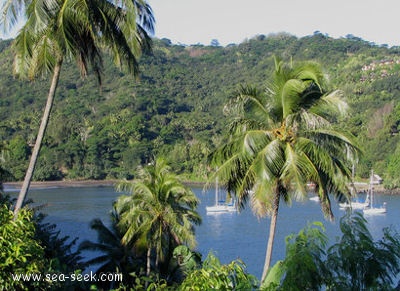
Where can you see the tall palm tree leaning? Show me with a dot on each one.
(159, 214)
(58, 30)
(282, 138)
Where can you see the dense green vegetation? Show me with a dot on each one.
(176, 108)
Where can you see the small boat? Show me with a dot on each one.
(220, 206)
(371, 210)
(314, 198)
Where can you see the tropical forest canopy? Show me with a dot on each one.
(175, 108)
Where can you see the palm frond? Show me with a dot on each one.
(341, 144)
(44, 57)
(305, 120)
(330, 105)
(295, 172)
(11, 12)
(309, 71)
(290, 94)
(104, 234)
(261, 197)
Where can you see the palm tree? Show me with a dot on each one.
(59, 30)
(160, 213)
(281, 139)
(114, 255)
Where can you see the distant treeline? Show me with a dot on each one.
(175, 108)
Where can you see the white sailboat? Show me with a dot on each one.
(354, 204)
(220, 207)
(371, 210)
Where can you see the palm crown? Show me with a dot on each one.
(282, 138)
(79, 30)
(160, 213)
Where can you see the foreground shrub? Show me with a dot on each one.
(20, 253)
(354, 262)
(31, 247)
(215, 276)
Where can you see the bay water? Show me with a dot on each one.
(230, 236)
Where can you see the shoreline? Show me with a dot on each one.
(61, 184)
(110, 183)
(378, 189)
(75, 183)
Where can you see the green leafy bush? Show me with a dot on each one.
(355, 262)
(20, 253)
(215, 276)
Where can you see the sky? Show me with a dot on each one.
(232, 21)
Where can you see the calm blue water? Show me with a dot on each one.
(230, 235)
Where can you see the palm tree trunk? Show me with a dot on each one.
(148, 265)
(39, 138)
(271, 236)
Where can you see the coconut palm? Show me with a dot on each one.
(282, 138)
(114, 255)
(79, 30)
(160, 213)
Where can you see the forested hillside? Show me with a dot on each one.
(175, 108)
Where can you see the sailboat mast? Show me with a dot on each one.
(216, 191)
(352, 181)
(371, 188)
